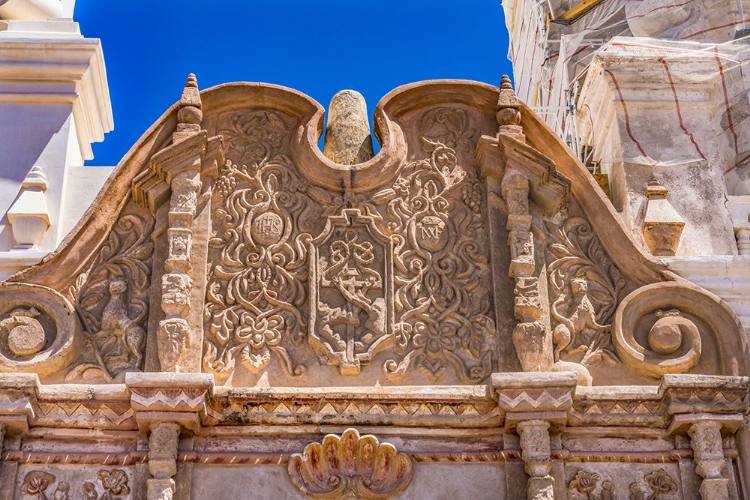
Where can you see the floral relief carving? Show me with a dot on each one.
(113, 485)
(35, 484)
(112, 300)
(350, 466)
(433, 216)
(586, 287)
(256, 288)
(405, 269)
(660, 484)
(586, 483)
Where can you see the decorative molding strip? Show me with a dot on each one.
(115, 406)
(634, 457)
(493, 456)
(107, 459)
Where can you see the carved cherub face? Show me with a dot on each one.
(117, 286)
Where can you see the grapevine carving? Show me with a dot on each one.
(256, 291)
(112, 300)
(433, 216)
(403, 269)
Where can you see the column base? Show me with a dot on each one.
(715, 489)
(540, 488)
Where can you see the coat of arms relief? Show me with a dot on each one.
(397, 277)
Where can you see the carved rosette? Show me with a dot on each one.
(350, 466)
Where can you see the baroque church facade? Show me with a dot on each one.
(468, 313)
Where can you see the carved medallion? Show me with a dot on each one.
(255, 298)
(442, 299)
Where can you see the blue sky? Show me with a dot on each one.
(318, 47)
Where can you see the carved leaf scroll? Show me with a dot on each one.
(112, 299)
(433, 214)
(413, 280)
(586, 287)
(350, 466)
(256, 291)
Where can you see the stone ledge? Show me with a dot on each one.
(120, 406)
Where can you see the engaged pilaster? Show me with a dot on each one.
(177, 178)
(707, 409)
(537, 457)
(536, 405)
(705, 439)
(162, 460)
(166, 405)
(517, 175)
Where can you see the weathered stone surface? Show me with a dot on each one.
(463, 303)
(348, 140)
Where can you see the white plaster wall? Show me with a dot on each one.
(34, 134)
(82, 186)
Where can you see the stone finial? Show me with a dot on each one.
(507, 104)
(189, 114)
(662, 225)
(348, 140)
(29, 216)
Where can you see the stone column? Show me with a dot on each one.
(162, 460)
(173, 335)
(536, 454)
(708, 454)
(533, 346)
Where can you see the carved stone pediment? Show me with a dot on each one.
(473, 243)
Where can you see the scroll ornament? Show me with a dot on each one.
(350, 466)
(673, 343)
(39, 331)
